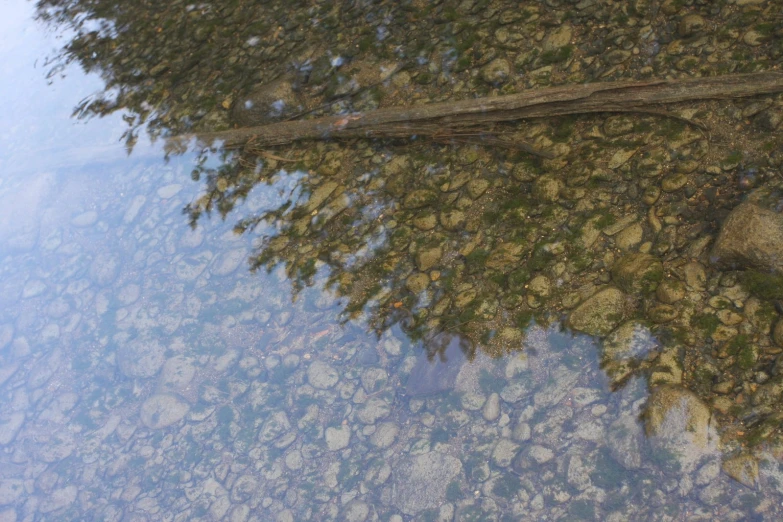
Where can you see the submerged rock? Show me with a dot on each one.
(266, 104)
(751, 237)
(420, 482)
(600, 313)
(625, 348)
(141, 358)
(163, 410)
(680, 427)
(744, 469)
(638, 272)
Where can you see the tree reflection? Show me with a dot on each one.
(442, 247)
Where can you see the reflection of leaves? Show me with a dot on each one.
(356, 235)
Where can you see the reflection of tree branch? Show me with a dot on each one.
(453, 118)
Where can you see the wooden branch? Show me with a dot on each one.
(438, 119)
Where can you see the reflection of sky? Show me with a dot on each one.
(37, 131)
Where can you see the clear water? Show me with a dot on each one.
(146, 373)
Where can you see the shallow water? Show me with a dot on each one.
(379, 330)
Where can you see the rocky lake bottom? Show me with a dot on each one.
(394, 330)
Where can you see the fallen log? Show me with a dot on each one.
(456, 119)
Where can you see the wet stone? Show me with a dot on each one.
(477, 187)
(417, 283)
(322, 376)
(10, 490)
(421, 481)
(751, 237)
(625, 439)
(85, 219)
(637, 272)
(491, 409)
(275, 426)
(680, 428)
(452, 220)
(674, 182)
(58, 499)
(384, 435)
(625, 348)
(618, 126)
(629, 237)
(163, 410)
(497, 71)
(504, 452)
(338, 437)
(373, 410)
(689, 25)
(425, 222)
(428, 258)
(541, 454)
(265, 104)
(177, 373)
(670, 291)
(547, 188)
(743, 468)
(10, 426)
(539, 286)
(104, 268)
(600, 313)
(356, 511)
(169, 191)
(141, 358)
(420, 198)
(558, 38)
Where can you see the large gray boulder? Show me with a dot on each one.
(751, 237)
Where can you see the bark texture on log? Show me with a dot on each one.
(449, 117)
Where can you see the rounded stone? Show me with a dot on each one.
(491, 409)
(428, 258)
(689, 25)
(384, 435)
(10, 490)
(600, 313)
(477, 187)
(141, 358)
(558, 38)
(420, 198)
(177, 373)
(452, 220)
(265, 104)
(638, 272)
(497, 71)
(670, 291)
(539, 286)
(337, 437)
(751, 237)
(322, 376)
(674, 182)
(629, 237)
(744, 469)
(163, 410)
(547, 188)
(417, 283)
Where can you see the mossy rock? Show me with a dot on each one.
(600, 313)
(638, 273)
